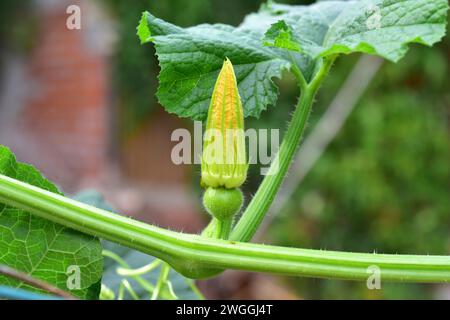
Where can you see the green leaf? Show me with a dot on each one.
(379, 27)
(143, 30)
(41, 248)
(190, 58)
(399, 23)
(280, 35)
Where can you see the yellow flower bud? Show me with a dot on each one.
(224, 160)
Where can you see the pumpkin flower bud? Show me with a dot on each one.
(224, 160)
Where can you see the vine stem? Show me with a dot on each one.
(185, 252)
(224, 228)
(260, 203)
(137, 277)
(162, 281)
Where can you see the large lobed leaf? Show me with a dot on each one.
(191, 58)
(380, 27)
(41, 248)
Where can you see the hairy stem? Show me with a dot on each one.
(185, 252)
(223, 228)
(260, 204)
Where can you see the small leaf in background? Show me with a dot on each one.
(280, 35)
(119, 259)
(190, 58)
(43, 249)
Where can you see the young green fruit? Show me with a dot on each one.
(223, 203)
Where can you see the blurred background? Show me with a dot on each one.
(80, 105)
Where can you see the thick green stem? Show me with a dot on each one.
(186, 252)
(224, 228)
(260, 204)
(218, 229)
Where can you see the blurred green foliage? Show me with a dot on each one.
(17, 25)
(383, 184)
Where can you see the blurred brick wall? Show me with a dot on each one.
(62, 124)
(55, 113)
(146, 153)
